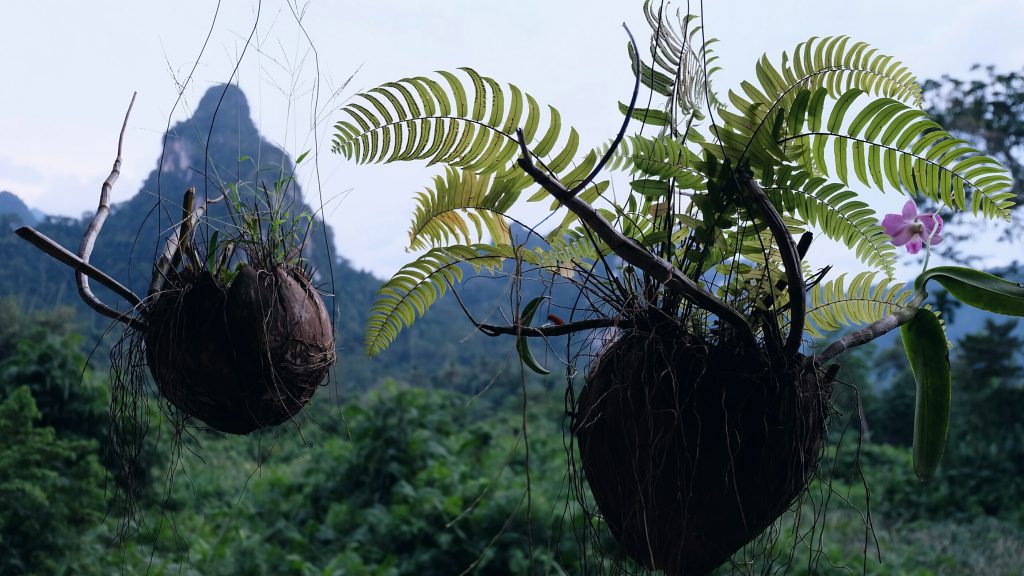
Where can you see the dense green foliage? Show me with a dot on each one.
(422, 480)
(50, 490)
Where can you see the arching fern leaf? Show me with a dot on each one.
(886, 143)
(833, 305)
(836, 64)
(832, 64)
(835, 210)
(891, 143)
(442, 122)
(661, 157)
(418, 284)
(462, 202)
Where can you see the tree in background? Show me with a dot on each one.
(51, 491)
(43, 352)
(989, 110)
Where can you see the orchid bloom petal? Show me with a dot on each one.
(893, 224)
(910, 210)
(902, 236)
(911, 229)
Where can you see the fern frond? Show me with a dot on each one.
(418, 284)
(423, 118)
(575, 246)
(833, 306)
(833, 64)
(837, 212)
(838, 64)
(892, 143)
(462, 202)
(660, 157)
(682, 63)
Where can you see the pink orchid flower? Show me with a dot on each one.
(912, 229)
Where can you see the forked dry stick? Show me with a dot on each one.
(174, 249)
(83, 270)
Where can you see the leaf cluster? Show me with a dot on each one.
(831, 118)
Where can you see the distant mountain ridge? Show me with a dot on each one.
(220, 146)
(16, 210)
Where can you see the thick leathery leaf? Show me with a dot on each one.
(978, 289)
(522, 344)
(925, 344)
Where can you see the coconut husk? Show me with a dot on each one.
(692, 449)
(243, 357)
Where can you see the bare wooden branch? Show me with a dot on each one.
(80, 263)
(540, 332)
(790, 259)
(89, 238)
(632, 252)
(66, 257)
(188, 225)
(883, 326)
(552, 330)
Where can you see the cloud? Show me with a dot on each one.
(10, 169)
(60, 193)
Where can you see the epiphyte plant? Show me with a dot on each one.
(704, 413)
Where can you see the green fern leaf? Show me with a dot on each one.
(837, 212)
(417, 285)
(892, 143)
(833, 66)
(833, 306)
(440, 121)
(462, 202)
(839, 65)
(571, 248)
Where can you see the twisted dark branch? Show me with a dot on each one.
(632, 252)
(879, 328)
(790, 259)
(625, 122)
(542, 331)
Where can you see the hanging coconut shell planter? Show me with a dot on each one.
(239, 357)
(692, 448)
(695, 437)
(236, 338)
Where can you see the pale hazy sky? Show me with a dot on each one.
(68, 69)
